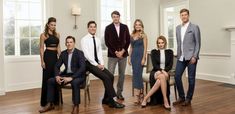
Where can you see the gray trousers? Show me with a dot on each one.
(112, 62)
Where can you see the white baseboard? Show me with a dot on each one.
(2, 92)
(23, 86)
(215, 77)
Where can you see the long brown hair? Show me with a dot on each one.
(51, 19)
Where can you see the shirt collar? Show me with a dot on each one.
(117, 25)
(90, 35)
(186, 24)
(71, 52)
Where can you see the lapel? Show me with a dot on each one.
(187, 31)
(114, 30)
(66, 59)
(73, 57)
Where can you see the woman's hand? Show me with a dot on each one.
(129, 60)
(142, 62)
(43, 65)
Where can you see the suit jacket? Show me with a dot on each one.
(115, 43)
(78, 65)
(191, 43)
(155, 57)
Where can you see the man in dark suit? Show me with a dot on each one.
(117, 39)
(188, 48)
(74, 73)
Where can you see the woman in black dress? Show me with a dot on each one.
(162, 60)
(49, 56)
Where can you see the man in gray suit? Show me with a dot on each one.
(188, 48)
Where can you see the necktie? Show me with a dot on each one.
(95, 51)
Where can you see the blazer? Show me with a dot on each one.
(78, 65)
(115, 43)
(155, 57)
(191, 43)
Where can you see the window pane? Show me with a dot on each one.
(35, 11)
(24, 28)
(9, 10)
(35, 47)
(22, 10)
(9, 28)
(9, 46)
(35, 28)
(24, 46)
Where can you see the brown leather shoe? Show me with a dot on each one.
(75, 109)
(186, 102)
(48, 107)
(179, 101)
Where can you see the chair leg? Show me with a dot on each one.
(60, 96)
(88, 93)
(175, 92)
(146, 88)
(85, 95)
(133, 91)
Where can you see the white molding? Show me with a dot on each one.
(14, 59)
(215, 77)
(2, 92)
(23, 86)
(216, 54)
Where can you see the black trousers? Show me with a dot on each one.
(106, 77)
(50, 59)
(75, 83)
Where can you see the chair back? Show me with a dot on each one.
(149, 65)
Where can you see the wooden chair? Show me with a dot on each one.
(84, 86)
(148, 67)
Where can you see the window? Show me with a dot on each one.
(170, 19)
(107, 7)
(22, 25)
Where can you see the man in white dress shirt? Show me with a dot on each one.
(91, 46)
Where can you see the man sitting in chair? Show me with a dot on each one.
(91, 46)
(74, 73)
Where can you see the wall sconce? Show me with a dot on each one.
(76, 12)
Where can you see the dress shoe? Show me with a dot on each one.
(75, 109)
(115, 104)
(179, 101)
(48, 107)
(186, 102)
(120, 97)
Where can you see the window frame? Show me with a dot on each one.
(17, 36)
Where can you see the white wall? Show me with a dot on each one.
(2, 82)
(148, 12)
(217, 51)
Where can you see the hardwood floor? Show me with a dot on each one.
(209, 98)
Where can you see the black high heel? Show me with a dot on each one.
(167, 108)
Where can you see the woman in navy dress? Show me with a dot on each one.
(49, 56)
(137, 58)
(162, 60)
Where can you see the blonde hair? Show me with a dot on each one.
(164, 40)
(141, 24)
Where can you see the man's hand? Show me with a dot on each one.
(59, 79)
(119, 54)
(67, 79)
(101, 67)
(193, 60)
